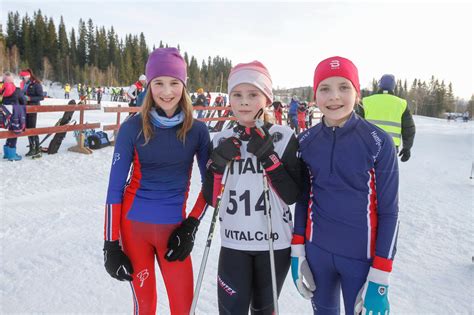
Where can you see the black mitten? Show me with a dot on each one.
(181, 241)
(116, 262)
(405, 155)
(226, 151)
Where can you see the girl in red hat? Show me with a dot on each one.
(33, 92)
(346, 222)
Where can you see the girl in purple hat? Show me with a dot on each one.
(145, 215)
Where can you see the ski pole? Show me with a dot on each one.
(266, 192)
(472, 169)
(270, 243)
(209, 241)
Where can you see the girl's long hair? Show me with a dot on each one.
(186, 107)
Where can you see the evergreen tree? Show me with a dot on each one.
(102, 49)
(51, 49)
(92, 58)
(63, 62)
(25, 42)
(82, 44)
(38, 42)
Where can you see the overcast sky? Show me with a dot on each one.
(409, 40)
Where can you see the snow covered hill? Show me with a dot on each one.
(51, 231)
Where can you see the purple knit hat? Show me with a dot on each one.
(166, 62)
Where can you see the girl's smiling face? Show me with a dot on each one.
(336, 97)
(167, 92)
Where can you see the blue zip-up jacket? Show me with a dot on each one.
(34, 91)
(158, 186)
(293, 107)
(349, 206)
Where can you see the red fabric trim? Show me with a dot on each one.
(297, 239)
(216, 188)
(274, 166)
(381, 263)
(373, 214)
(198, 209)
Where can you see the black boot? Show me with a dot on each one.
(32, 147)
(37, 150)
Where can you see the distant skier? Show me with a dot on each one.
(244, 278)
(146, 216)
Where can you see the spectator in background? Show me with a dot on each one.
(293, 113)
(200, 101)
(208, 98)
(67, 90)
(278, 111)
(218, 102)
(16, 122)
(135, 89)
(302, 116)
(99, 94)
(391, 113)
(33, 93)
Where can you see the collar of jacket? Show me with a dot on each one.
(347, 127)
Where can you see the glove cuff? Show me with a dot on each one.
(270, 161)
(112, 245)
(191, 222)
(297, 250)
(378, 276)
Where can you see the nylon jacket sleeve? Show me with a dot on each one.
(408, 129)
(122, 159)
(285, 179)
(202, 155)
(208, 186)
(302, 205)
(386, 179)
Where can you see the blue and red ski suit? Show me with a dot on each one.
(348, 213)
(143, 210)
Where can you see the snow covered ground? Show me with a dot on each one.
(51, 231)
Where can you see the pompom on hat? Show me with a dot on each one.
(166, 62)
(254, 73)
(336, 67)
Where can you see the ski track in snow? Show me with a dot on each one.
(51, 231)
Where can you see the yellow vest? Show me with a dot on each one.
(67, 88)
(385, 111)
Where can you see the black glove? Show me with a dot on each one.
(226, 151)
(261, 145)
(181, 241)
(405, 155)
(116, 262)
